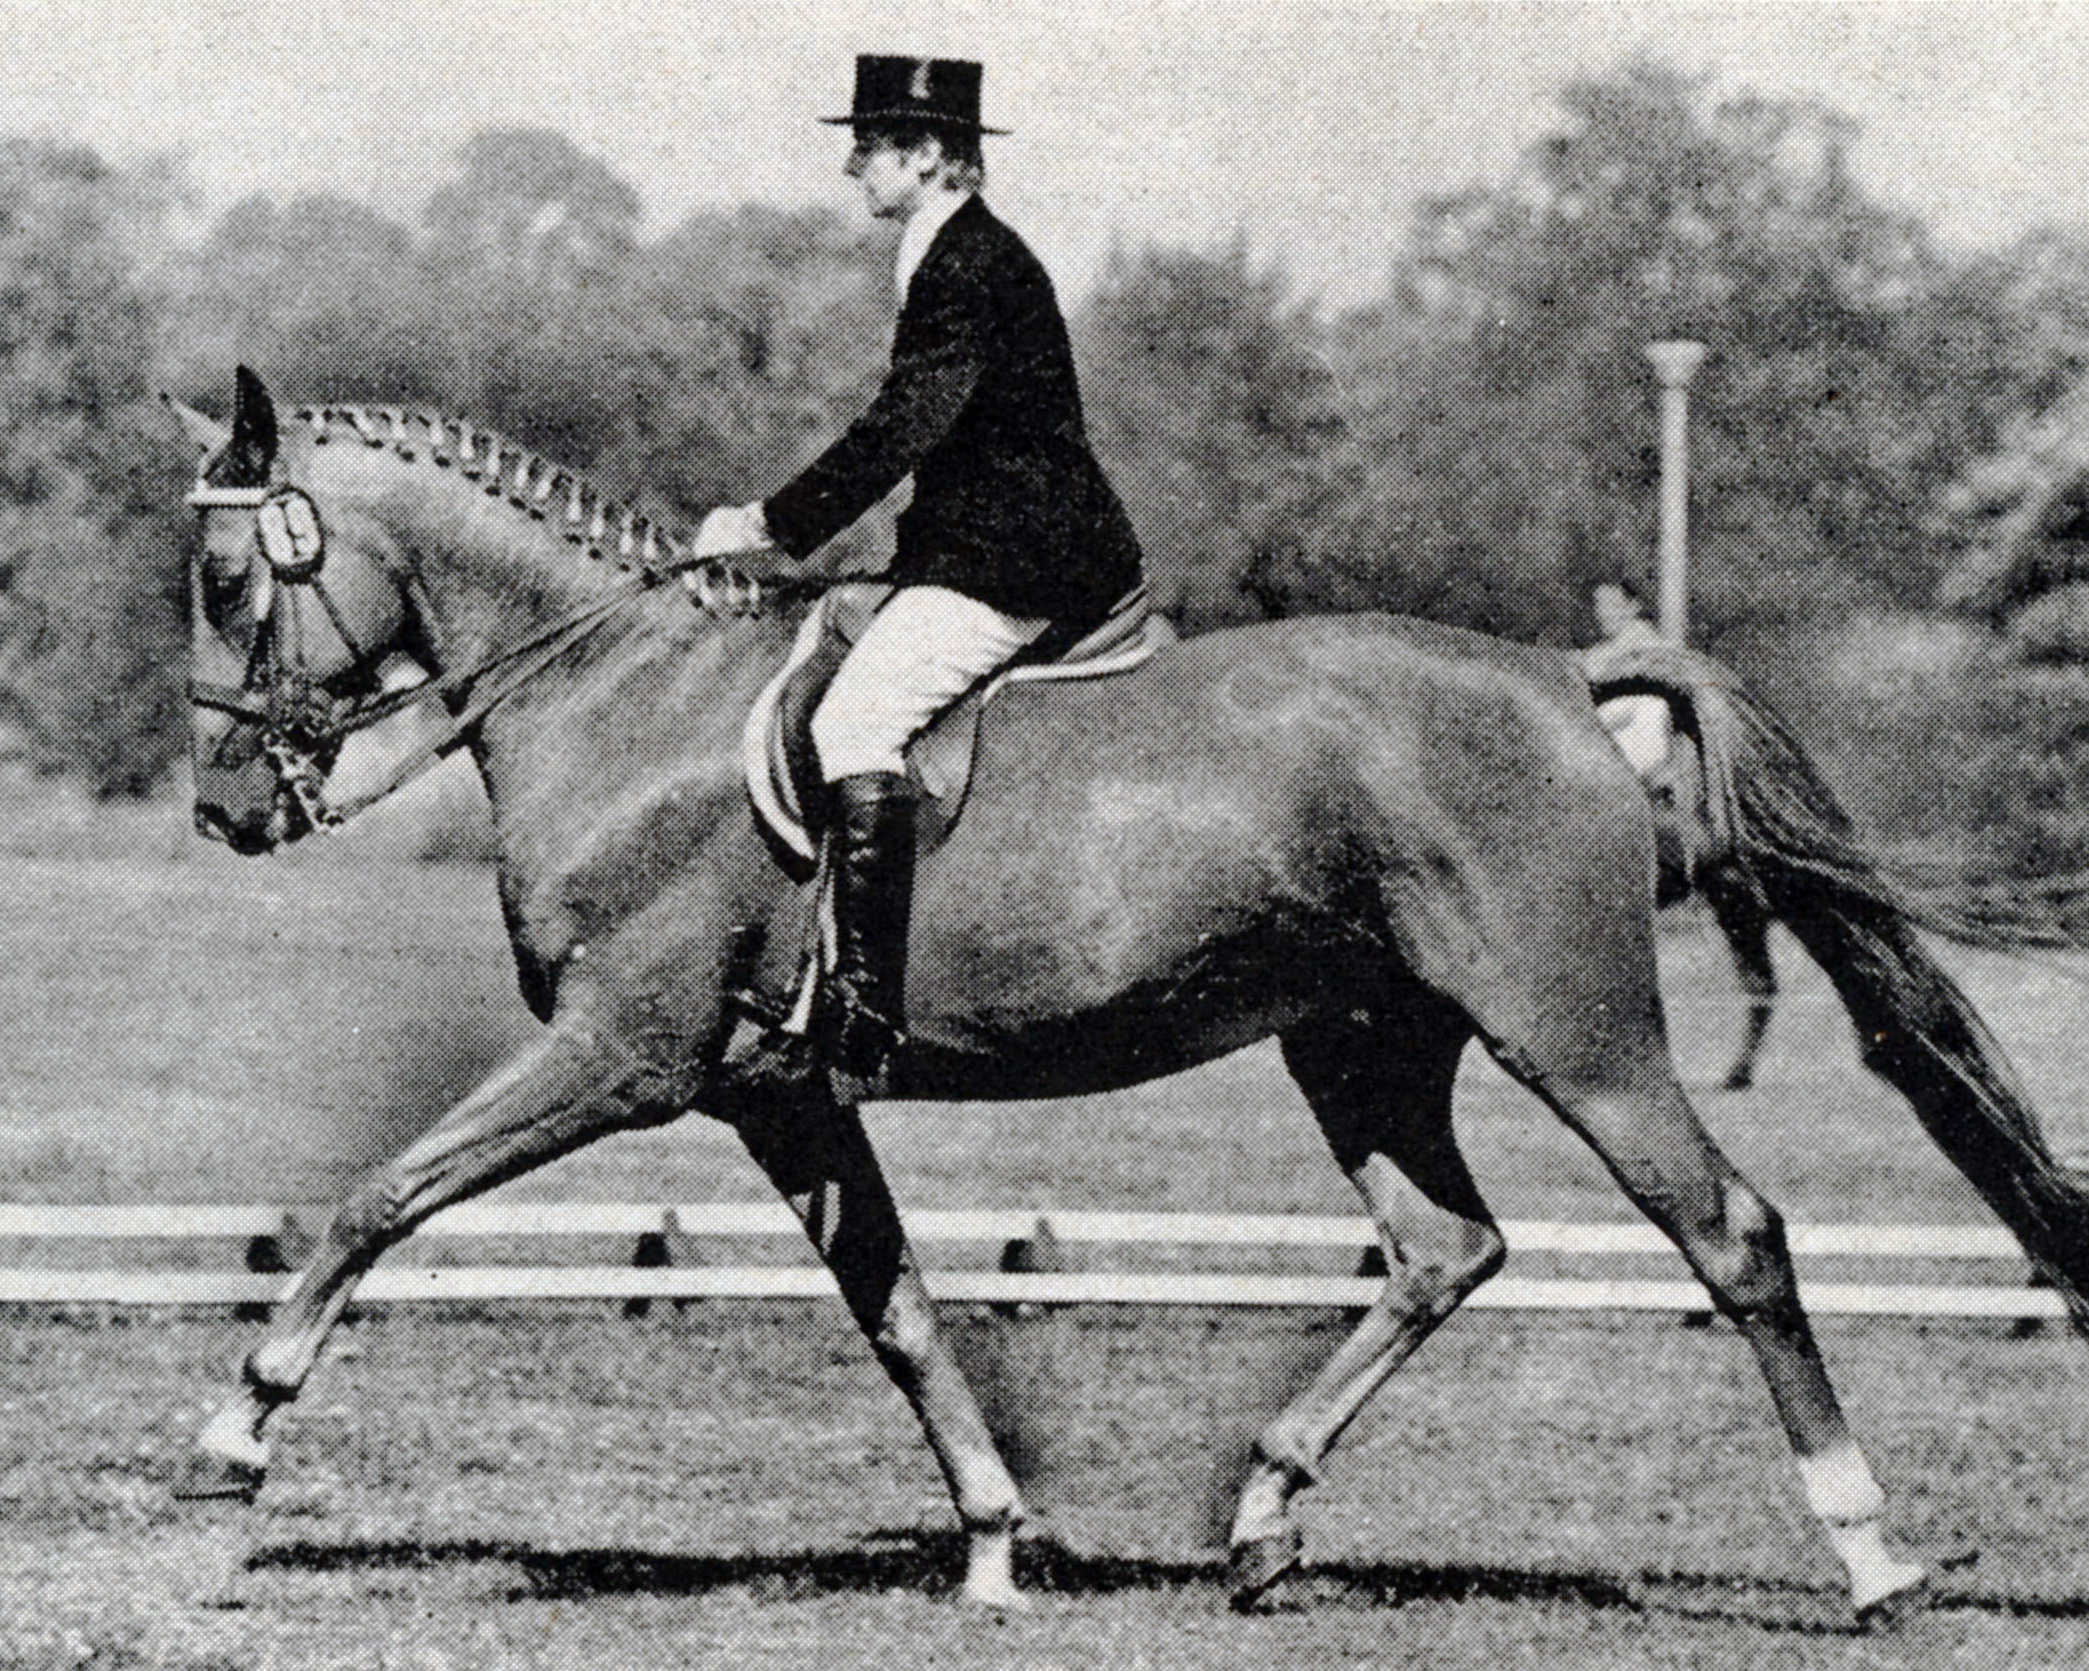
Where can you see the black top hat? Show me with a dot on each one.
(942, 92)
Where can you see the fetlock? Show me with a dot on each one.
(1287, 1451)
(268, 1385)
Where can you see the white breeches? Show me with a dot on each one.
(1641, 727)
(924, 650)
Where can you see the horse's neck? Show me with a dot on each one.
(613, 779)
(625, 750)
(619, 771)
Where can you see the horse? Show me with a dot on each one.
(1744, 924)
(1377, 840)
(1698, 860)
(1726, 884)
(1693, 864)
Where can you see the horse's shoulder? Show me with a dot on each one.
(610, 864)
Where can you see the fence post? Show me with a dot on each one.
(656, 1250)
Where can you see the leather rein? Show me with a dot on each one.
(299, 719)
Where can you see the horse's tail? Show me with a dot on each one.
(1770, 813)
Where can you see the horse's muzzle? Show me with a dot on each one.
(253, 834)
(248, 807)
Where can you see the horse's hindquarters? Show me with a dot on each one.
(1263, 825)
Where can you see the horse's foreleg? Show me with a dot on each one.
(1382, 1094)
(564, 1091)
(820, 1159)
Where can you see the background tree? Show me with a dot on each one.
(1209, 399)
(90, 616)
(1498, 455)
(529, 204)
(327, 296)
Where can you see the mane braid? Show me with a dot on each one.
(529, 482)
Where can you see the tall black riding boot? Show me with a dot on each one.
(873, 834)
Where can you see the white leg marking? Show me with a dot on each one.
(1842, 1491)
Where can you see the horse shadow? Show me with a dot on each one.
(933, 1563)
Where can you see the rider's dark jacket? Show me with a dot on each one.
(982, 407)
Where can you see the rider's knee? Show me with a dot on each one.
(850, 742)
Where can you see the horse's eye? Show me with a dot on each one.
(226, 585)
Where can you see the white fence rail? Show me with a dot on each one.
(1932, 1245)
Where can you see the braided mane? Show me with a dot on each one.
(607, 530)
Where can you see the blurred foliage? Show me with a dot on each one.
(1210, 401)
(90, 582)
(1501, 453)
(2016, 530)
(1478, 444)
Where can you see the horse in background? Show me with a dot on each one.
(1699, 856)
(1378, 840)
(1662, 752)
(1743, 918)
(1690, 866)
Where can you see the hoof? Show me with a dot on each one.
(1908, 1596)
(211, 1478)
(1739, 1080)
(990, 1572)
(991, 1596)
(1258, 1566)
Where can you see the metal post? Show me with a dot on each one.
(1675, 362)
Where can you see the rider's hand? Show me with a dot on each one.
(732, 531)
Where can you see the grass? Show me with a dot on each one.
(733, 1485)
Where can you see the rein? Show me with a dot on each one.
(285, 706)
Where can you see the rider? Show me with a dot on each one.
(1013, 530)
(1640, 723)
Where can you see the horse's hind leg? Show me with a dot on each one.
(1381, 1089)
(818, 1156)
(1743, 916)
(1619, 1091)
(567, 1089)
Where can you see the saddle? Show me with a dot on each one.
(783, 773)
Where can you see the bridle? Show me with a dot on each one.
(302, 720)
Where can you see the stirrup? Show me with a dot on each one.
(861, 1041)
(781, 1063)
(856, 1045)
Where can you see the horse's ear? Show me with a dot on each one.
(202, 431)
(252, 450)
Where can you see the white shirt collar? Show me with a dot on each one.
(922, 226)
